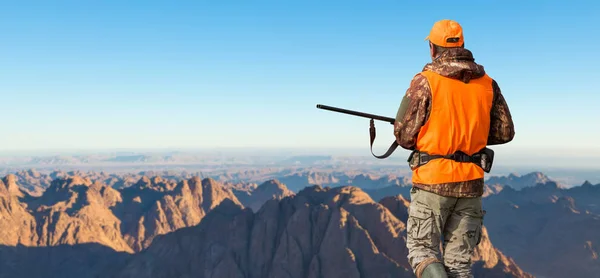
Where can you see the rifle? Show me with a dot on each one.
(372, 132)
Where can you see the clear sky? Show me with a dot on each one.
(196, 74)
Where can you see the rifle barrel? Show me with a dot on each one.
(356, 113)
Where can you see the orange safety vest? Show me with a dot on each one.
(459, 120)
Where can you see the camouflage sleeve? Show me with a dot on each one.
(502, 129)
(413, 112)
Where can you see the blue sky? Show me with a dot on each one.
(205, 74)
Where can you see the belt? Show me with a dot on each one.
(484, 158)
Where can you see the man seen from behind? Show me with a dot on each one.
(449, 114)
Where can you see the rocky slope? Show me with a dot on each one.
(320, 232)
(492, 189)
(65, 261)
(171, 226)
(586, 195)
(74, 210)
(9, 187)
(550, 231)
(491, 262)
(155, 206)
(317, 233)
(16, 223)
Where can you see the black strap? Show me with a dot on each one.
(390, 150)
(423, 158)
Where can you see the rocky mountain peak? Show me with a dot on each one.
(168, 207)
(317, 194)
(157, 180)
(271, 189)
(155, 183)
(272, 184)
(34, 173)
(144, 182)
(10, 179)
(10, 185)
(587, 184)
(62, 184)
(210, 182)
(195, 180)
(519, 182)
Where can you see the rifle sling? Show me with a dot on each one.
(372, 134)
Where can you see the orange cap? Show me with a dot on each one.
(446, 33)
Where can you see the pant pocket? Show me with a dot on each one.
(420, 224)
(473, 232)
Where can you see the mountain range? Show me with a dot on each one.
(380, 181)
(171, 226)
(255, 165)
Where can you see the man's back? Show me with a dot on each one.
(457, 65)
(458, 121)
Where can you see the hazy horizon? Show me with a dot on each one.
(572, 169)
(543, 157)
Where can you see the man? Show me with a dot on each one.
(452, 106)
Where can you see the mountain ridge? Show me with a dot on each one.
(365, 224)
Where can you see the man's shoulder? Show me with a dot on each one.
(419, 87)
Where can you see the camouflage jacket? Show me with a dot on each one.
(414, 110)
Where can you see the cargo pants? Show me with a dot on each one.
(458, 220)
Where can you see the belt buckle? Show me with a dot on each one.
(414, 160)
(423, 158)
